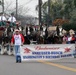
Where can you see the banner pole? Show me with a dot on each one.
(75, 50)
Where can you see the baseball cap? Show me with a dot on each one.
(16, 30)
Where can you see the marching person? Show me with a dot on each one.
(17, 40)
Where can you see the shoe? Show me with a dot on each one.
(18, 59)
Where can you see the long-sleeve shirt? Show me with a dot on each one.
(17, 39)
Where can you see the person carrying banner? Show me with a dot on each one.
(17, 40)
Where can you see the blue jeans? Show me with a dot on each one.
(68, 42)
(17, 49)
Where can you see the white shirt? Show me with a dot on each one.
(12, 19)
(69, 38)
(17, 39)
(3, 18)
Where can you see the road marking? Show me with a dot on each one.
(59, 66)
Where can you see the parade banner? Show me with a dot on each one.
(46, 52)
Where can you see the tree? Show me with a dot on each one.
(59, 10)
(73, 16)
(67, 8)
(22, 10)
(75, 3)
(10, 7)
(55, 12)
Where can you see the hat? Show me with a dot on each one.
(16, 30)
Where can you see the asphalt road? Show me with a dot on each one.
(56, 67)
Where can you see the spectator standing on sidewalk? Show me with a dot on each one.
(65, 39)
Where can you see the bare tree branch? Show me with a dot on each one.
(8, 5)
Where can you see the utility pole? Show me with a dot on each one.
(16, 9)
(49, 12)
(2, 6)
(40, 2)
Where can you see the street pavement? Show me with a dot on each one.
(8, 66)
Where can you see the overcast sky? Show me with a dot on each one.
(31, 4)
